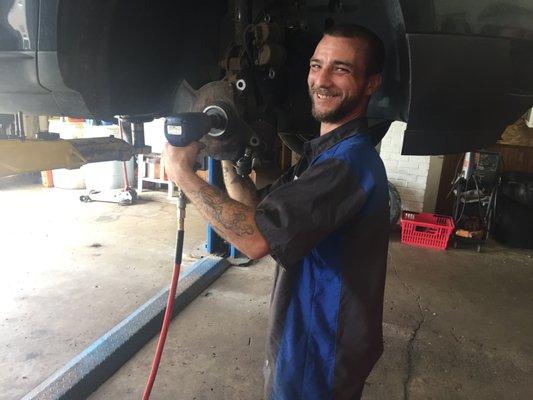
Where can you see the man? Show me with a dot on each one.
(325, 222)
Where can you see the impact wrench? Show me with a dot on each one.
(180, 131)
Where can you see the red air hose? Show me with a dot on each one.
(171, 296)
(164, 331)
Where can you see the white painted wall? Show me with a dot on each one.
(432, 183)
(415, 177)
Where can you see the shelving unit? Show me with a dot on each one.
(149, 172)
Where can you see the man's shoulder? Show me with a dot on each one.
(360, 156)
(356, 150)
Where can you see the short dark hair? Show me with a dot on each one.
(375, 51)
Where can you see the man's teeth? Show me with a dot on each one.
(324, 96)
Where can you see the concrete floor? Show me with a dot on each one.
(457, 323)
(69, 271)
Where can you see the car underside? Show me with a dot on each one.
(457, 73)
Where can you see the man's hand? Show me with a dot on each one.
(180, 161)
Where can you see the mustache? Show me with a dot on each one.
(323, 91)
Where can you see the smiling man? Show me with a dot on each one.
(325, 222)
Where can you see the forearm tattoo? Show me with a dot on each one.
(229, 214)
(246, 184)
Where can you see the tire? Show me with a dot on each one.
(395, 205)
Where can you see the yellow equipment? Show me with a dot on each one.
(20, 156)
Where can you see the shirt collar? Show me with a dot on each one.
(317, 146)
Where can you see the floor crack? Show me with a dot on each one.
(414, 334)
(410, 349)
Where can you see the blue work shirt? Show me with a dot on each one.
(327, 223)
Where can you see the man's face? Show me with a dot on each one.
(337, 79)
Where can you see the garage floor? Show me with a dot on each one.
(457, 324)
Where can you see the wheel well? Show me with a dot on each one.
(130, 55)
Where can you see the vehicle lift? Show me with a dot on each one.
(90, 368)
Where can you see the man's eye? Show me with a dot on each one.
(314, 66)
(339, 69)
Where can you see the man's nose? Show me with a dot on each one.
(323, 78)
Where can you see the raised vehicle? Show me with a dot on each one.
(456, 72)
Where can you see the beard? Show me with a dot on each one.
(345, 107)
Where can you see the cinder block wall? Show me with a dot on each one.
(415, 177)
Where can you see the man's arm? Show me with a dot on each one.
(234, 221)
(240, 189)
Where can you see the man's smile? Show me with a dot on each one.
(324, 95)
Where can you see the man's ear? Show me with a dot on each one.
(374, 82)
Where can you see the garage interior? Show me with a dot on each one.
(456, 323)
(91, 91)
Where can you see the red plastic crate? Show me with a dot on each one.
(426, 230)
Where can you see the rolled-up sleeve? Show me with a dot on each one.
(296, 216)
